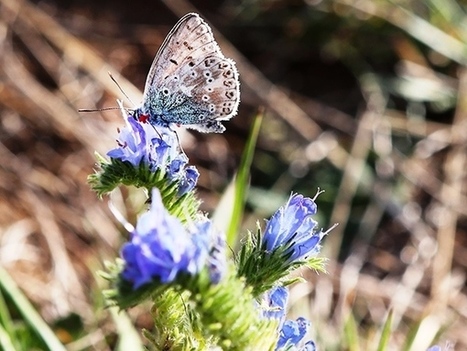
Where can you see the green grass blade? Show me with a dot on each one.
(351, 333)
(129, 338)
(6, 323)
(6, 343)
(242, 180)
(29, 313)
(386, 333)
(410, 336)
(229, 212)
(222, 216)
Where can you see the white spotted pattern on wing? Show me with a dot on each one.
(190, 62)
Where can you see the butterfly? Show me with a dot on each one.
(190, 82)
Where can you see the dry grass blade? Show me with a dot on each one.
(71, 47)
(450, 194)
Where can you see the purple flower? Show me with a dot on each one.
(275, 303)
(161, 247)
(293, 227)
(292, 333)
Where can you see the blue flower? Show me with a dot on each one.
(275, 301)
(292, 333)
(141, 144)
(187, 176)
(161, 248)
(188, 180)
(309, 346)
(447, 347)
(217, 262)
(210, 251)
(293, 227)
(176, 166)
(134, 145)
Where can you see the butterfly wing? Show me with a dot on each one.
(190, 81)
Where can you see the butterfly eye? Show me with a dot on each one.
(165, 91)
(210, 80)
(205, 98)
(209, 89)
(207, 74)
(212, 108)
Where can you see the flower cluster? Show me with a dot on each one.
(150, 157)
(141, 144)
(291, 332)
(161, 248)
(293, 227)
(176, 257)
(289, 241)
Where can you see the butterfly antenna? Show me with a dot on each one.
(155, 129)
(120, 88)
(98, 109)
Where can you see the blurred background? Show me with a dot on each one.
(364, 99)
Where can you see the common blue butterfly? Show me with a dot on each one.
(190, 82)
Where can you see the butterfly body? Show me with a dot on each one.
(190, 82)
